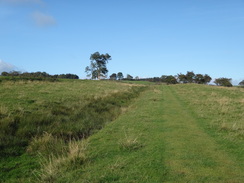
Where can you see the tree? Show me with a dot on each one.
(182, 78)
(171, 80)
(164, 78)
(129, 77)
(190, 76)
(223, 82)
(113, 76)
(120, 76)
(98, 68)
(241, 83)
(207, 79)
(4, 73)
(199, 79)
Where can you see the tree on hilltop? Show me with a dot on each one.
(190, 76)
(207, 79)
(120, 76)
(223, 82)
(202, 79)
(129, 77)
(241, 83)
(113, 76)
(98, 67)
(182, 78)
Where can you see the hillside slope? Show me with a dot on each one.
(164, 137)
(167, 133)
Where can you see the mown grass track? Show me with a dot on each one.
(192, 154)
(171, 144)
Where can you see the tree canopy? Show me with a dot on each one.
(98, 67)
(241, 83)
(120, 76)
(223, 82)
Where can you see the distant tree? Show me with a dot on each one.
(223, 82)
(67, 76)
(14, 73)
(120, 76)
(113, 76)
(156, 79)
(98, 68)
(171, 80)
(182, 78)
(5, 74)
(163, 78)
(199, 79)
(129, 77)
(207, 79)
(241, 83)
(137, 78)
(190, 76)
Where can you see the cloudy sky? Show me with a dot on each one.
(145, 38)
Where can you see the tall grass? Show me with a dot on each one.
(45, 118)
(223, 107)
(54, 166)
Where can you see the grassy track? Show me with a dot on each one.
(159, 139)
(192, 155)
(130, 149)
(171, 133)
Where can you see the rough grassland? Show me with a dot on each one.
(170, 133)
(166, 136)
(48, 119)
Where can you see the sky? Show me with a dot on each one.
(146, 38)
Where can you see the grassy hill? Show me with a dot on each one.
(53, 132)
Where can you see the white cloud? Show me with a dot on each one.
(6, 67)
(43, 20)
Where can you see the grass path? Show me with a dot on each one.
(192, 155)
(158, 139)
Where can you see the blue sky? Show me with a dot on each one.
(145, 38)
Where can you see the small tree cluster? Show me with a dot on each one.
(169, 79)
(66, 76)
(191, 77)
(115, 76)
(223, 82)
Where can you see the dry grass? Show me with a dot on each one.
(222, 106)
(53, 167)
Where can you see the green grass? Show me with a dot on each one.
(169, 133)
(40, 117)
(164, 138)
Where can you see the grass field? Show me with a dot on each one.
(39, 119)
(167, 133)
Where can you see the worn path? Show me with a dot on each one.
(191, 154)
(158, 139)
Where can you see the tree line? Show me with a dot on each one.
(37, 76)
(98, 70)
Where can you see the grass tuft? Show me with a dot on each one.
(130, 143)
(53, 166)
